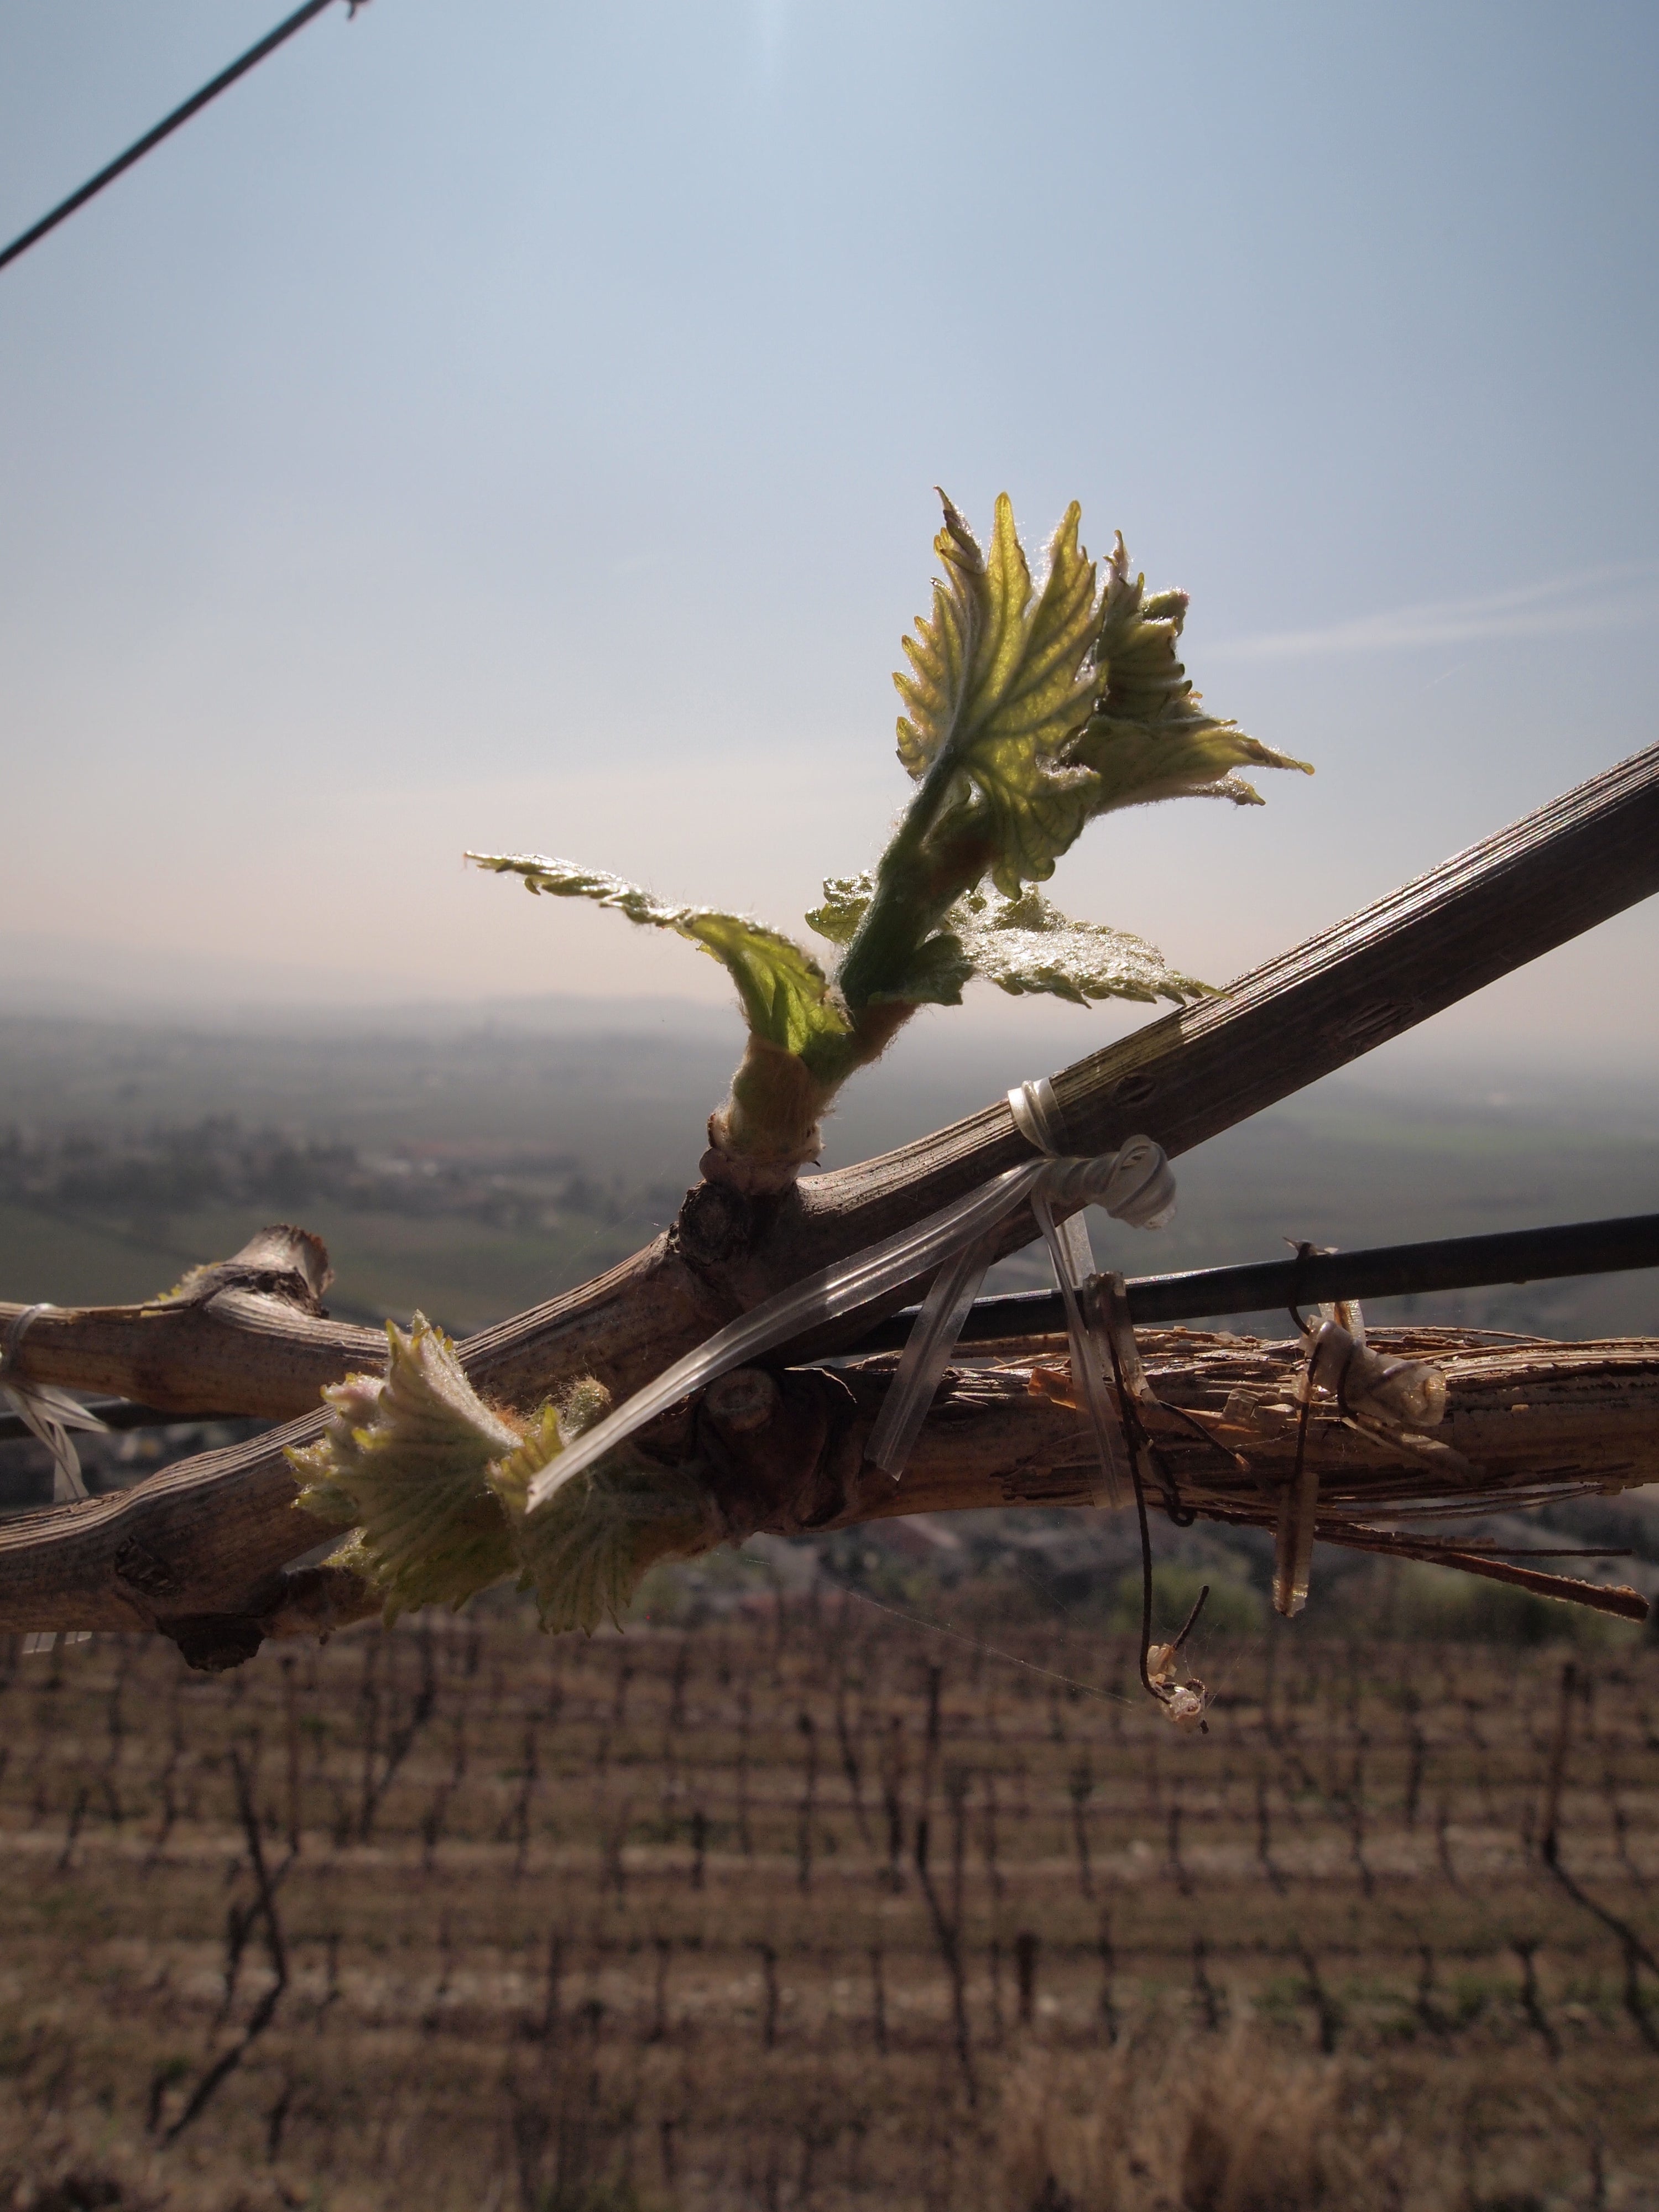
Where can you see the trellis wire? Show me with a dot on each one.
(1452, 1263)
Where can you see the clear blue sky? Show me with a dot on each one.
(517, 425)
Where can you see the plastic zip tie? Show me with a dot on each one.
(1036, 1110)
(1293, 1539)
(1139, 1189)
(933, 1335)
(926, 1355)
(1134, 1183)
(933, 1338)
(48, 1413)
(1087, 1377)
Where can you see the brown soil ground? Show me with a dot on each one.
(809, 1908)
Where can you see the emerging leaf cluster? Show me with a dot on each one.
(432, 1482)
(1147, 737)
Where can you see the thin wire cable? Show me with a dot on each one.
(1128, 1414)
(975, 1644)
(1137, 1439)
(169, 124)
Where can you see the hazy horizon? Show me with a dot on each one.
(1542, 1029)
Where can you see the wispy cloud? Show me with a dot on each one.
(1623, 597)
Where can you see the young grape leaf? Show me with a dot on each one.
(1024, 944)
(998, 683)
(1148, 738)
(403, 1460)
(939, 968)
(583, 1554)
(1021, 945)
(845, 899)
(784, 991)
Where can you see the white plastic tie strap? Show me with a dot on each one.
(956, 1245)
(47, 1413)
(1141, 1191)
(1138, 1186)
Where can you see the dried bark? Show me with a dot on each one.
(167, 1555)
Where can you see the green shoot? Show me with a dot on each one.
(1030, 709)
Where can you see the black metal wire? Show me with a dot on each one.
(1451, 1263)
(169, 124)
(1304, 1252)
(1134, 1438)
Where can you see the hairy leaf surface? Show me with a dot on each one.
(783, 989)
(845, 899)
(940, 968)
(1024, 944)
(585, 1553)
(403, 1458)
(1149, 737)
(1021, 945)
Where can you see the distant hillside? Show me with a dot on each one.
(473, 1161)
